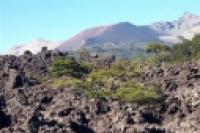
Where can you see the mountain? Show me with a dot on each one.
(122, 36)
(172, 32)
(169, 32)
(120, 32)
(78, 40)
(34, 46)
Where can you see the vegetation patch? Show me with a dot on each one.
(68, 67)
(188, 50)
(116, 81)
(66, 82)
(137, 94)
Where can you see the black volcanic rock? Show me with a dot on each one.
(27, 104)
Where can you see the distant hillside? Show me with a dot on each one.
(172, 32)
(122, 37)
(120, 32)
(34, 46)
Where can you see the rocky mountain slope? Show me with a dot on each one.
(169, 32)
(28, 102)
(134, 36)
(185, 27)
(120, 32)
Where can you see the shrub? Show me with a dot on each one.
(104, 74)
(69, 82)
(137, 93)
(157, 48)
(135, 67)
(196, 47)
(185, 51)
(181, 52)
(67, 67)
(83, 53)
(97, 94)
(115, 81)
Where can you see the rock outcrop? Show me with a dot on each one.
(29, 105)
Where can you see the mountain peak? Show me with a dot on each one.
(189, 16)
(124, 23)
(41, 40)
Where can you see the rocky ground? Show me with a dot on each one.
(29, 104)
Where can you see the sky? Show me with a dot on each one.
(58, 20)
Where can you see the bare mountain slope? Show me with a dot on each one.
(120, 32)
(134, 36)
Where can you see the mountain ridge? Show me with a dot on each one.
(167, 32)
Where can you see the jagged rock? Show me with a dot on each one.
(173, 71)
(47, 99)
(16, 79)
(80, 128)
(155, 130)
(35, 122)
(160, 72)
(129, 119)
(28, 55)
(171, 85)
(34, 106)
(102, 107)
(193, 76)
(65, 112)
(44, 49)
(150, 116)
(173, 108)
(23, 100)
(5, 120)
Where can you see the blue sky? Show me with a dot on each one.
(26, 20)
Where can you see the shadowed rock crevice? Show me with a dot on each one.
(80, 128)
(5, 120)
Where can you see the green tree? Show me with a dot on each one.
(157, 48)
(196, 47)
(181, 52)
(161, 51)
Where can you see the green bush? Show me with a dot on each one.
(67, 67)
(97, 94)
(69, 82)
(135, 67)
(157, 48)
(196, 47)
(115, 82)
(185, 51)
(134, 92)
(181, 52)
(105, 74)
(83, 53)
